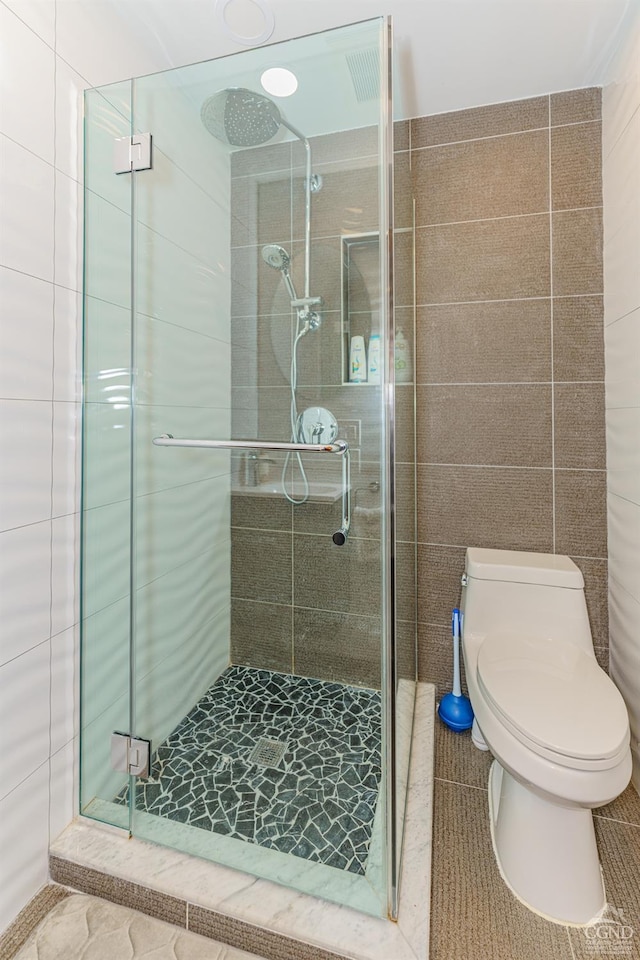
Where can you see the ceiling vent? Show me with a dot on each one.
(364, 67)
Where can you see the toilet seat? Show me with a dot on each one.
(555, 699)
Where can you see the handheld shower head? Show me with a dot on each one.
(276, 257)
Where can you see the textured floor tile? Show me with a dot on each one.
(316, 799)
(85, 928)
(474, 915)
(457, 759)
(619, 849)
(272, 946)
(626, 807)
(18, 932)
(116, 890)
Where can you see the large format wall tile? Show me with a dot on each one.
(479, 179)
(337, 646)
(489, 121)
(503, 342)
(577, 252)
(581, 520)
(261, 633)
(579, 428)
(502, 259)
(500, 507)
(502, 425)
(576, 166)
(576, 106)
(577, 338)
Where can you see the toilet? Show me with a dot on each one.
(554, 721)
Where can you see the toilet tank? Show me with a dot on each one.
(537, 594)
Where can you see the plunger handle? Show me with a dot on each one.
(455, 630)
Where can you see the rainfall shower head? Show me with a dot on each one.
(241, 117)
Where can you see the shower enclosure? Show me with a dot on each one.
(248, 605)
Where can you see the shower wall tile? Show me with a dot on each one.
(478, 122)
(576, 106)
(346, 580)
(577, 252)
(506, 342)
(261, 565)
(503, 259)
(576, 166)
(261, 512)
(401, 135)
(578, 342)
(337, 646)
(262, 633)
(347, 203)
(467, 424)
(478, 179)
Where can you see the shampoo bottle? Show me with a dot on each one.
(357, 361)
(403, 361)
(374, 358)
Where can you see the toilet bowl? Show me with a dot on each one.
(552, 718)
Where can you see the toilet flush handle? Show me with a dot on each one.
(464, 579)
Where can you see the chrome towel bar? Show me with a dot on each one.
(167, 440)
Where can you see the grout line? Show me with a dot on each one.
(511, 216)
(461, 303)
(626, 823)
(460, 783)
(553, 391)
(498, 136)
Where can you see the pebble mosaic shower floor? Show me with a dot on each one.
(317, 801)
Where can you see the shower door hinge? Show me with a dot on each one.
(132, 153)
(130, 754)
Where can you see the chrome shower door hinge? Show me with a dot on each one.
(132, 153)
(130, 755)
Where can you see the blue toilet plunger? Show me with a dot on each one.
(454, 709)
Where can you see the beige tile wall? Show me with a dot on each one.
(509, 390)
(301, 604)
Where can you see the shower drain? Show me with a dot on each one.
(267, 753)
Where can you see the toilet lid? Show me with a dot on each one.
(554, 694)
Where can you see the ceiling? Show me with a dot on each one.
(450, 54)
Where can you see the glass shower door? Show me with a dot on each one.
(255, 587)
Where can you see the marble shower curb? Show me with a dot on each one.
(257, 915)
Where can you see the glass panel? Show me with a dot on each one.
(257, 641)
(106, 454)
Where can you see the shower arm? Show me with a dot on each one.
(307, 301)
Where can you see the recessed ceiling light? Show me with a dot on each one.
(279, 82)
